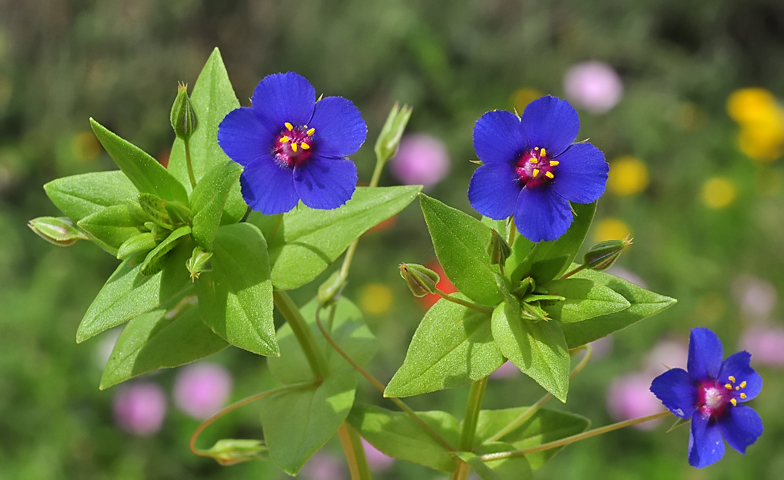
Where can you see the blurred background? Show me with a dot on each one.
(683, 96)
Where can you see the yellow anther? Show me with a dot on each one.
(533, 160)
(737, 388)
(536, 148)
(311, 131)
(536, 172)
(305, 146)
(728, 386)
(543, 153)
(734, 402)
(743, 396)
(294, 147)
(284, 139)
(731, 378)
(554, 163)
(289, 126)
(743, 384)
(549, 174)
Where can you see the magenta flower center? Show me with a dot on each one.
(714, 398)
(535, 168)
(293, 145)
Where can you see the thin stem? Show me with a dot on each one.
(378, 385)
(234, 406)
(377, 173)
(474, 406)
(512, 232)
(465, 303)
(576, 270)
(574, 438)
(303, 333)
(536, 406)
(188, 162)
(355, 453)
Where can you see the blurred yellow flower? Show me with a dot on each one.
(375, 299)
(762, 141)
(85, 147)
(522, 97)
(762, 123)
(751, 105)
(718, 192)
(611, 229)
(628, 176)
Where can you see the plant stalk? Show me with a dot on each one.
(303, 333)
(355, 453)
(475, 397)
(188, 162)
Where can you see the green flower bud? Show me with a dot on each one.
(183, 118)
(602, 255)
(420, 280)
(230, 451)
(143, 242)
(198, 262)
(330, 290)
(155, 208)
(389, 138)
(527, 285)
(498, 249)
(57, 230)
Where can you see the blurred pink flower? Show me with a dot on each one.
(323, 467)
(594, 86)
(377, 460)
(420, 160)
(140, 408)
(507, 370)
(666, 353)
(765, 343)
(201, 389)
(627, 275)
(602, 347)
(629, 396)
(757, 297)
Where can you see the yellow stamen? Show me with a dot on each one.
(737, 388)
(543, 153)
(294, 147)
(728, 386)
(734, 402)
(743, 396)
(284, 139)
(549, 174)
(289, 126)
(305, 146)
(743, 384)
(731, 378)
(533, 160)
(311, 131)
(536, 148)
(554, 163)
(536, 172)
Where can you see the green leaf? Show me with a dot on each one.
(460, 242)
(212, 99)
(236, 296)
(112, 226)
(143, 242)
(145, 172)
(155, 208)
(512, 468)
(545, 270)
(307, 241)
(400, 436)
(644, 303)
(453, 346)
(349, 331)
(500, 226)
(538, 349)
(584, 299)
(541, 427)
(208, 199)
(297, 423)
(155, 260)
(166, 337)
(80, 196)
(128, 294)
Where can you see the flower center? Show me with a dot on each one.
(535, 168)
(715, 397)
(293, 145)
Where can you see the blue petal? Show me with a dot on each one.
(581, 174)
(550, 123)
(245, 136)
(677, 391)
(494, 189)
(737, 365)
(268, 187)
(325, 183)
(340, 130)
(499, 137)
(705, 354)
(740, 426)
(705, 444)
(285, 97)
(541, 214)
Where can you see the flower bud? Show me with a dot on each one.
(389, 138)
(231, 451)
(183, 118)
(420, 280)
(143, 242)
(198, 262)
(57, 230)
(155, 208)
(602, 255)
(498, 249)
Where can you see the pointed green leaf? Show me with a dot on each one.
(584, 299)
(349, 331)
(80, 196)
(143, 242)
(156, 259)
(460, 242)
(168, 336)
(297, 423)
(235, 298)
(307, 241)
(112, 226)
(400, 436)
(538, 349)
(155, 208)
(208, 199)
(145, 172)
(453, 346)
(644, 303)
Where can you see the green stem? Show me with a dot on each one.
(573, 438)
(576, 270)
(188, 162)
(475, 397)
(512, 231)
(303, 333)
(355, 453)
(465, 303)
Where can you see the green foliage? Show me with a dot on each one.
(80, 196)
(110, 227)
(143, 242)
(584, 299)
(230, 451)
(156, 259)
(209, 198)
(513, 468)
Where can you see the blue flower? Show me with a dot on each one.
(532, 170)
(292, 147)
(711, 393)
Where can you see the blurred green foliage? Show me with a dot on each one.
(62, 61)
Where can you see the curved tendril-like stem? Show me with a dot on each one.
(536, 406)
(373, 381)
(234, 406)
(574, 438)
(465, 303)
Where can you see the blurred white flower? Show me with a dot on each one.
(594, 86)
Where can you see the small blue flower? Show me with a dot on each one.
(532, 170)
(292, 147)
(711, 393)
